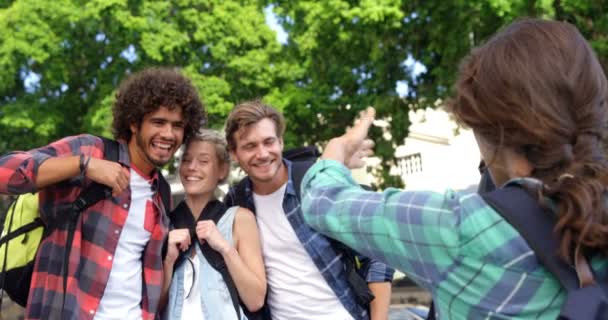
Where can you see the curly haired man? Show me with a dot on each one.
(115, 257)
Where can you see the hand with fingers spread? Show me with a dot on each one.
(179, 240)
(109, 173)
(206, 230)
(351, 147)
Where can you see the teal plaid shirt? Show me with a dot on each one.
(474, 263)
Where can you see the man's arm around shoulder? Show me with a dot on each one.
(22, 172)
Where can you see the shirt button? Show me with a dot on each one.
(116, 231)
(110, 258)
(126, 205)
(91, 311)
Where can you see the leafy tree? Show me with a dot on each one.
(354, 52)
(62, 60)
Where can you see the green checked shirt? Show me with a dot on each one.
(473, 262)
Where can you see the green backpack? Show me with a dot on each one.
(24, 230)
(19, 241)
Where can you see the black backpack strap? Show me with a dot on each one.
(298, 170)
(535, 224)
(237, 196)
(165, 192)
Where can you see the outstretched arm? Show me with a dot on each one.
(408, 230)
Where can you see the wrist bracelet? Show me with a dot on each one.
(83, 164)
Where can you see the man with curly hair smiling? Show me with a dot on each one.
(115, 262)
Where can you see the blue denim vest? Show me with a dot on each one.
(215, 297)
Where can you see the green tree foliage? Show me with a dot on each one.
(80, 50)
(354, 52)
(340, 57)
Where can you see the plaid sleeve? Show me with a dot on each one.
(379, 272)
(415, 232)
(19, 169)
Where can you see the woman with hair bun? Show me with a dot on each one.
(535, 97)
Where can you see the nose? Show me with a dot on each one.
(167, 131)
(192, 165)
(262, 152)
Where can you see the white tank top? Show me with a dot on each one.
(296, 288)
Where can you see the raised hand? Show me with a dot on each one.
(351, 147)
(109, 173)
(179, 239)
(206, 230)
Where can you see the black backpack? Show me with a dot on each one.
(181, 217)
(16, 282)
(535, 224)
(302, 158)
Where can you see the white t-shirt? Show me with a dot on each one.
(122, 296)
(296, 288)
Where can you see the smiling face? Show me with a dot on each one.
(156, 139)
(258, 152)
(200, 169)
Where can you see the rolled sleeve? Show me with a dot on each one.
(379, 272)
(19, 169)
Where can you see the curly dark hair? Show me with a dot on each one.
(538, 88)
(146, 91)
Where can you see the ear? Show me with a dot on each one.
(224, 171)
(233, 156)
(134, 128)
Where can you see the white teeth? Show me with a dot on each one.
(162, 145)
(193, 179)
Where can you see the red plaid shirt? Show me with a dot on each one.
(95, 241)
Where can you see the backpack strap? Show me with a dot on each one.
(298, 170)
(165, 192)
(182, 217)
(238, 196)
(535, 225)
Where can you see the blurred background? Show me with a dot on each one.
(319, 62)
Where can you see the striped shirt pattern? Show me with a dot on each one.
(327, 260)
(474, 263)
(95, 240)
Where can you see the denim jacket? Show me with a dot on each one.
(215, 297)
